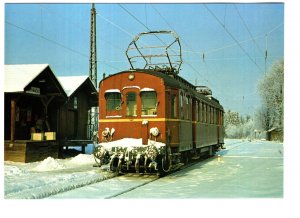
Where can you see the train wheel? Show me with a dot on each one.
(114, 164)
(119, 167)
(98, 162)
(166, 162)
(186, 157)
(97, 155)
(146, 165)
(137, 166)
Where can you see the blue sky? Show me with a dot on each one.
(233, 38)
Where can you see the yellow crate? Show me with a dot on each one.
(50, 135)
(37, 136)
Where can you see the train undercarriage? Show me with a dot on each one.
(154, 158)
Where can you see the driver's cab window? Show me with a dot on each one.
(149, 103)
(131, 107)
(113, 103)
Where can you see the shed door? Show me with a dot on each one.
(72, 124)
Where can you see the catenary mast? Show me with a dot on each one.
(93, 113)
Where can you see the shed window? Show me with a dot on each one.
(131, 106)
(149, 103)
(75, 102)
(113, 101)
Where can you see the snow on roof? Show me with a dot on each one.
(147, 90)
(71, 83)
(18, 76)
(113, 90)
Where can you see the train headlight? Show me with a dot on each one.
(154, 131)
(131, 76)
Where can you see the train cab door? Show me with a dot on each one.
(130, 110)
(149, 110)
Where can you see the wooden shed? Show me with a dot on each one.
(31, 92)
(73, 115)
(275, 134)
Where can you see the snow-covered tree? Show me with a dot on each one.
(270, 88)
(237, 126)
(232, 118)
(263, 118)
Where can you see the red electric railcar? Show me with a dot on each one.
(153, 120)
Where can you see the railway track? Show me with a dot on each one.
(117, 185)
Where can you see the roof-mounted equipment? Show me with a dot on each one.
(156, 50)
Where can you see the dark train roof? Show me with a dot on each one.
(173, 80)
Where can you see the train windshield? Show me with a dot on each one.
(113, 101)
(149, 103)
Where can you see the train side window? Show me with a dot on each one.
(174, 106)
(222, 114)
(181, 107)
(113, 101)
(196, 110)
(213, 115)
(200, 111)
(204, 113)
(131, 107)
(187, 106)
(208, 114)
(149, 103)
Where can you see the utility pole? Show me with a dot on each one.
(93, 47)
(93, 112)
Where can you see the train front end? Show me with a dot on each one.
(131, 123)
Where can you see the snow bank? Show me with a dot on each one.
(49, 164)
(82, 159)
(12, 170)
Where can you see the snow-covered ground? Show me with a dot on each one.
(50, 176)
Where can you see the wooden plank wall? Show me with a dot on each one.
(15, 151)
(30, 151)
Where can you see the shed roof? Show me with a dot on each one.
(18, 76)
(72, 83)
